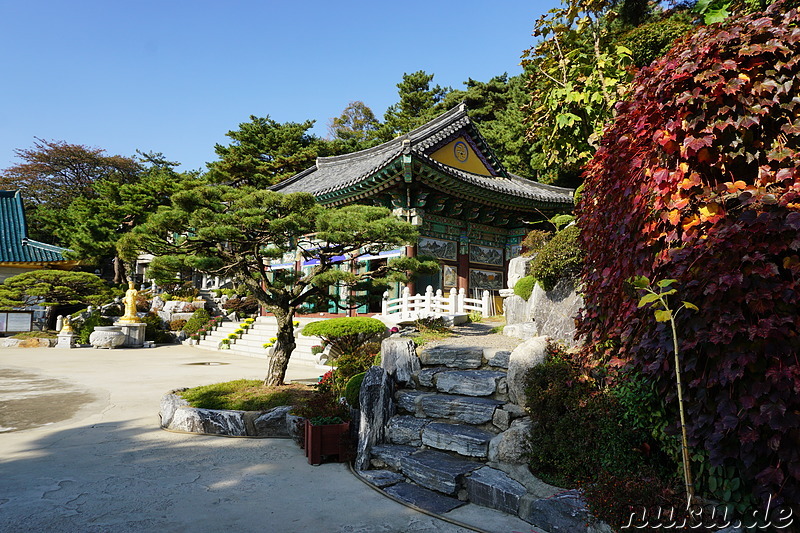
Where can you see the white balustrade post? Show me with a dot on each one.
(460, 301)
(438, 300)
(451, 304)
(385, 304)
(429, 300)
(405, 311)
(486, 303)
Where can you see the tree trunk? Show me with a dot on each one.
(284, 346)
(119, 270)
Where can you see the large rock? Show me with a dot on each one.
(462, 357)
(516, 310)
(411, 401)
(399, 359)
(554, 311)
(517, 269)
(530, 353)
(377, 407)
(209, 421)
(468, 441)
(511, 445)
(494, 488)
(170, 403)
(565, 512)
(437, 470)
(469, 382)
(177, 306)
(390, 455)
(497, 358)
(426, 375)
(524, 331)
(272, 423)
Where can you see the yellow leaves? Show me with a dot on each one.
(710, 211)
(736, 186)
(690, 222)
(675, 217)
(744, 77)
(791, 261)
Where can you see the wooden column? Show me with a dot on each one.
(463, 267)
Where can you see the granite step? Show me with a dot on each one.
(463, 382)
(462, 439)
(465, 409)
(423, 498)
(437, 470)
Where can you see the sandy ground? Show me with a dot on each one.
(81, 451)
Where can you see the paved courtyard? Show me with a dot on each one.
(81, 451)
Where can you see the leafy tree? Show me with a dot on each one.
(264, 152)
(233, 232)
(699, 182)
(54, 173)
(92, 225)
(356, 126)
(52, 288)
(419, 103)
(577, 74)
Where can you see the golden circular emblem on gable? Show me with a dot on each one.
(461, 152)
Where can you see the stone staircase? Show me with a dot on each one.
(455, 438)
(251, 344)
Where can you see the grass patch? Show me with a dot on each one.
(424, 337)
(35, 335)
(245, 395)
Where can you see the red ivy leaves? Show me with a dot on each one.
(712, 200)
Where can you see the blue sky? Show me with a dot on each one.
(175, 76)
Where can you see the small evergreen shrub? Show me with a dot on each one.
(177, 324)
(86, 327)
(353, 388)
(524, 287)
(346, 335)
(154, 330)
(561, 258)
(534, 241)
(199, 318)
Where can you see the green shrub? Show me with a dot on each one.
(561, 258)
(199, 318)
(475, 316)
(154, 330)
(534, 241)
(352, 389)
(347, 335)
(85, 328)
(35, 335)
(524, 287)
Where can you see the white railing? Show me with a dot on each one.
(421, 305)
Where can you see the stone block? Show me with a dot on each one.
(515, 309)
(464, 440)
(511, 445)
(527, 355)
(169, 404)
(410, 401)
(399, 358)
(423, 498)
(497, 358)
(437, 470)
(469, 382)
(295, 427)
(210, 421)
(501, 419)
(565, 512)
(390, 455)
(272, 423)
(425, 377)
(452, 356)
(466, 409)
(406, 430)
(517, 269)
(554, 311)
(494, 488)
(381, 478)
(524, 331)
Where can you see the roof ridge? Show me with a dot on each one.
(554, 188)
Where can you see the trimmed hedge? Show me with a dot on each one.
(348, 334)
(524, 287)
(198, 319)
(353, 388)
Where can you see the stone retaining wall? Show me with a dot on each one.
(8, 342)
(177, 415)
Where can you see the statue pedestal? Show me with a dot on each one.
(66, 340)
(134, 333)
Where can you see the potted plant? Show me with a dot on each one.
(326, 427)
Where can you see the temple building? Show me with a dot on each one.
(471, 212)
(18, 253)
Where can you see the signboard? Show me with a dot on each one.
(16, 321)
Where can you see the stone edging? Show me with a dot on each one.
(176, 415)
(33, 342)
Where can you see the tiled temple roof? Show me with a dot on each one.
(332, 174)
(15, 246)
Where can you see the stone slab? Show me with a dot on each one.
(390, 455)
(466, 409)
(494, 488)
(209, 421)
(452, 356)
(497, 358)
(272, 423)
(462, 439)
(377, 407)
(411, 401)
(406, 430)
(469, 382)
(511, 445)
(565, 512)
(381, 478)
(425, 376)
(399, 358)
(424, 498)
(437, 470)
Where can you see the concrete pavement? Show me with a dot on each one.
(95, 459)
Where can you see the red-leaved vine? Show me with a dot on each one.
(698, 180)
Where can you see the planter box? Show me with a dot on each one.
(325, 440)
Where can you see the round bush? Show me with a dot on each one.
(698, 180)
(198, 319)
(524, 287)
(561, 258)
(352, 389)
(347, 334)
